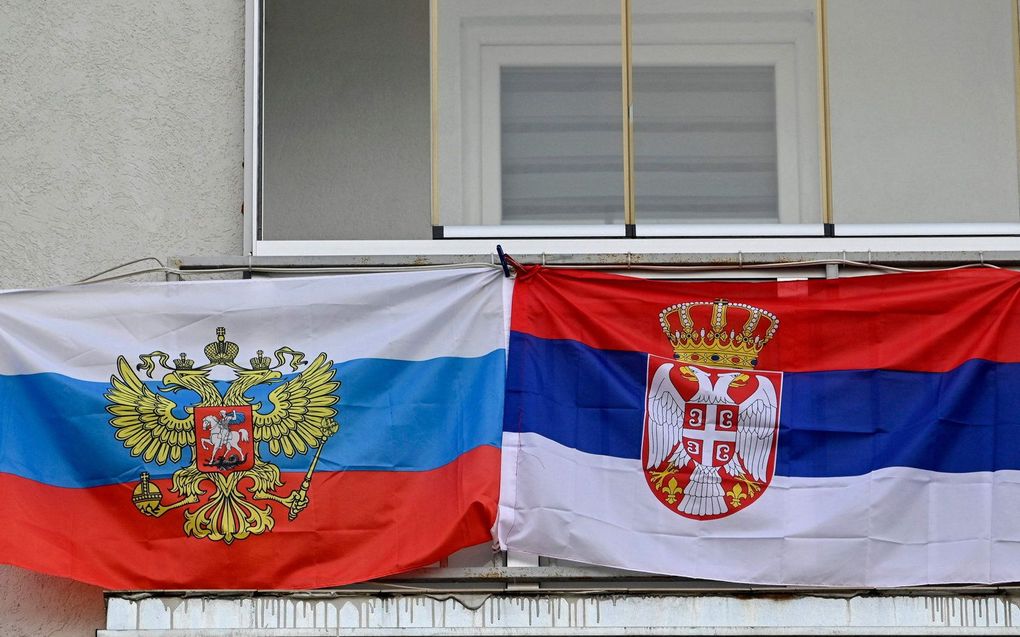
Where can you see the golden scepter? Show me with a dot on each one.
(301, 495)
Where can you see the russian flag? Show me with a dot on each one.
(872, 439)
(272, 434)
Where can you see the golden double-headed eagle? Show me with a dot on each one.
(300, 418)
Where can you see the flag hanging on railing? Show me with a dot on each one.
(283, 433)
(854, 432)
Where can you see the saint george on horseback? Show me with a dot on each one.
(221, 437)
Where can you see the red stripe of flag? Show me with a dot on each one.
(359, 525)
(931, 321)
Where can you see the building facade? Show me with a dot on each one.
(777, 139)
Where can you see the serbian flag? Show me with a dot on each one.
(860, 432)
(270, 434)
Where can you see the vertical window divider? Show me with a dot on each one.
(628, 114)
(825, 136)
(1015, 12)
(253, 80)
(434, 109)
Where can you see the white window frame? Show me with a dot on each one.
(252, 196)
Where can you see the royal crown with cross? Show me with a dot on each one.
(719, 333)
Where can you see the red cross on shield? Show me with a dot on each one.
(710, 433)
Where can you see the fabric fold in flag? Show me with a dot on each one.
(860, 432)
(266, 434)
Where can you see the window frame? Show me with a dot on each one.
(697, 242)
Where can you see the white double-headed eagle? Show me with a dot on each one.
(755, 430)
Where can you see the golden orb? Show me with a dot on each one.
(146, 495)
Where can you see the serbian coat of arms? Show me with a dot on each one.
(228, 488)
(712, 421)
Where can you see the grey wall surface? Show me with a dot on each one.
(121, 136)
(346, 133)
(923, 111)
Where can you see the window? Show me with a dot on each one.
(560, 158)
(725, 119)
(406, 121)
(345, 126)
(924, 116)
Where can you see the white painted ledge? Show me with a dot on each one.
(317, 614)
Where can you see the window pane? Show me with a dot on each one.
(346, 120)
(705, 144)
(922, 97)
(726, 125)
(561, 147)
(530, 113)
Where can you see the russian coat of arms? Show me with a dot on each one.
(223, 488)
(712, 421)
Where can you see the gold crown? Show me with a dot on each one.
(260, 361)
(221, 351)
(719, 343)
(183, 362)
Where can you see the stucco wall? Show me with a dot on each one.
(121, 136)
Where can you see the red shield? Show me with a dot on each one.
(224, 439)
(710, 405)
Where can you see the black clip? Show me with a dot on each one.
(502, 260)
(510, 264)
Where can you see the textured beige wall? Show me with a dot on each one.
(121, 136)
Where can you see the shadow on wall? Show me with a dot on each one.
(33, 604)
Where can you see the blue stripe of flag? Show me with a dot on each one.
(833, 423)
(393, 416)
